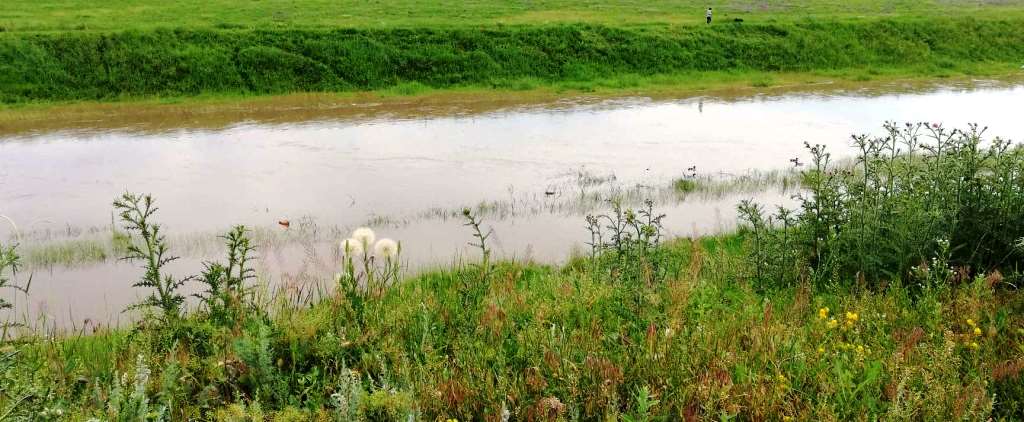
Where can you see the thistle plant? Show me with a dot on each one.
(919, 192)
(9, 263)
(226, 292)
(627, 240)
(475, 285)
(772, 257)
(150, 246)
(476, 224)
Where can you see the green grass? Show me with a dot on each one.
(187, 62)
(564, 340)
(113, 15)
(753, 181)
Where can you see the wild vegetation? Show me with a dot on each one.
(889, 293)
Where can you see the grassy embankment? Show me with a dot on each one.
(889, 293)
(149, 63)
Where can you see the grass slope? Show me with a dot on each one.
(184, 62)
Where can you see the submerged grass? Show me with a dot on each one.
(575, 193)
(750, 182)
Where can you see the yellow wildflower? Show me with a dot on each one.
(823, 313)
(821, 350)
(860, 350)
(970, 322)
(852, 316)
(977, 331)
(786, 418)
(832, 323)
(974, 345)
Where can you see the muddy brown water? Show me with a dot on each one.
(405, 173)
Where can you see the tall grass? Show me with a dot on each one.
(184, 62)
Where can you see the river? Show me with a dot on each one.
(534, 171)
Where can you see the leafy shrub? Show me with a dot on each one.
(919, 196)
(259, 376)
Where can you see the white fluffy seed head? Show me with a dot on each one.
(351, 247)
(364, 236)
(386, 248)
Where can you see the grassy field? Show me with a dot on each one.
(890, 292)
(114, 15)
(68, 51)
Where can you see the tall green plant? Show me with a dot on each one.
(150, 247)
(9, 264)
(917, 192)
(225, 294)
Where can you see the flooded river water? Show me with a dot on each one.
(407, 173)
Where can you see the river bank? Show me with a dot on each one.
(183, 63)
(220, 111)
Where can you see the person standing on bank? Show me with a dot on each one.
(709, 16)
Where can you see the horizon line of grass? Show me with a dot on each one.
(86, 15)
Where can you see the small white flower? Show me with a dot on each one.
(364, 236)
(386, 248)
(505, 414)
(352, 247)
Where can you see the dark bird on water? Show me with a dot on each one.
(284, 223)
(796, 162)
(693, 171)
